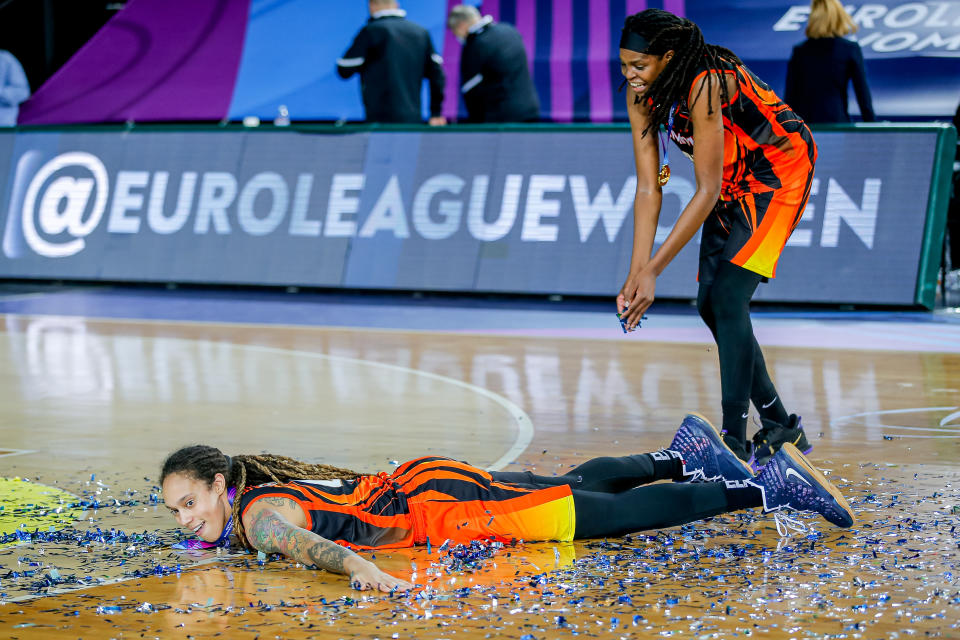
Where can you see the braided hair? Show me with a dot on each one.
(204, 463)
(664, 32)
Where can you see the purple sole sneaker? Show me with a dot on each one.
(789, 481)
(730, 466)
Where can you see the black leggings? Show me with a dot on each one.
(609, 500)
(724, 305)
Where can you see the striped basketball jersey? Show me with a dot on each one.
(766, 145)
(431, 499)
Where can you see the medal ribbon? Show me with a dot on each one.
(665, 167)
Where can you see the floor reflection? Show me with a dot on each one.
(91, 407)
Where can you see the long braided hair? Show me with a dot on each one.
(204, 463)
(665, 31)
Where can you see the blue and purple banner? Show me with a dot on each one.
(210, 60)
(168, 60)
(441, 210)
(911, 49)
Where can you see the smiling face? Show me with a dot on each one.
(642, 69)
(200, 508)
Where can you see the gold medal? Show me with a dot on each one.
(664, 175)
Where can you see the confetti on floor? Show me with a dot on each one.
(894, 574)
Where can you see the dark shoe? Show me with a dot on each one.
(773, 435)
(705, 455)
(741, 450)
(789, 481)
(693, 449)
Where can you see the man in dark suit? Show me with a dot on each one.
(393, 55)
(494, 75)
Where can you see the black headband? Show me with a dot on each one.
(633, 41)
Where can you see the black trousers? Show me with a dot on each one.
(614, 497)
(724, 304)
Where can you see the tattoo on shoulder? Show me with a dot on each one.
(278, 501)
(264, 529)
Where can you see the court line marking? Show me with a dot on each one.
(890, 412)
(897, 435)
(523, 423)
(906, 428)
(950, 418)
(522, 441)
(15, 452)
(953, 431)
(524, 432)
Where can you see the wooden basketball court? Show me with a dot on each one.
(90, 407)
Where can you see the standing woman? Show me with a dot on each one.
(753, 159)
(823, 66)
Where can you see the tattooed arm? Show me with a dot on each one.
(270, 530)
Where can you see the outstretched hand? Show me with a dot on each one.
(635, 297)
(367, 575)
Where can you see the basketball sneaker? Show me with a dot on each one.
(789, 481)
(772, 435)
(743, 451)
(705, 455)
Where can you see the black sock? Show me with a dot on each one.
(742, 495)
(735, 419)
(772, 409)
(667, 464)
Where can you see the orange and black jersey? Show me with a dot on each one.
(766, 145)
(367, 512)
(430, 498)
